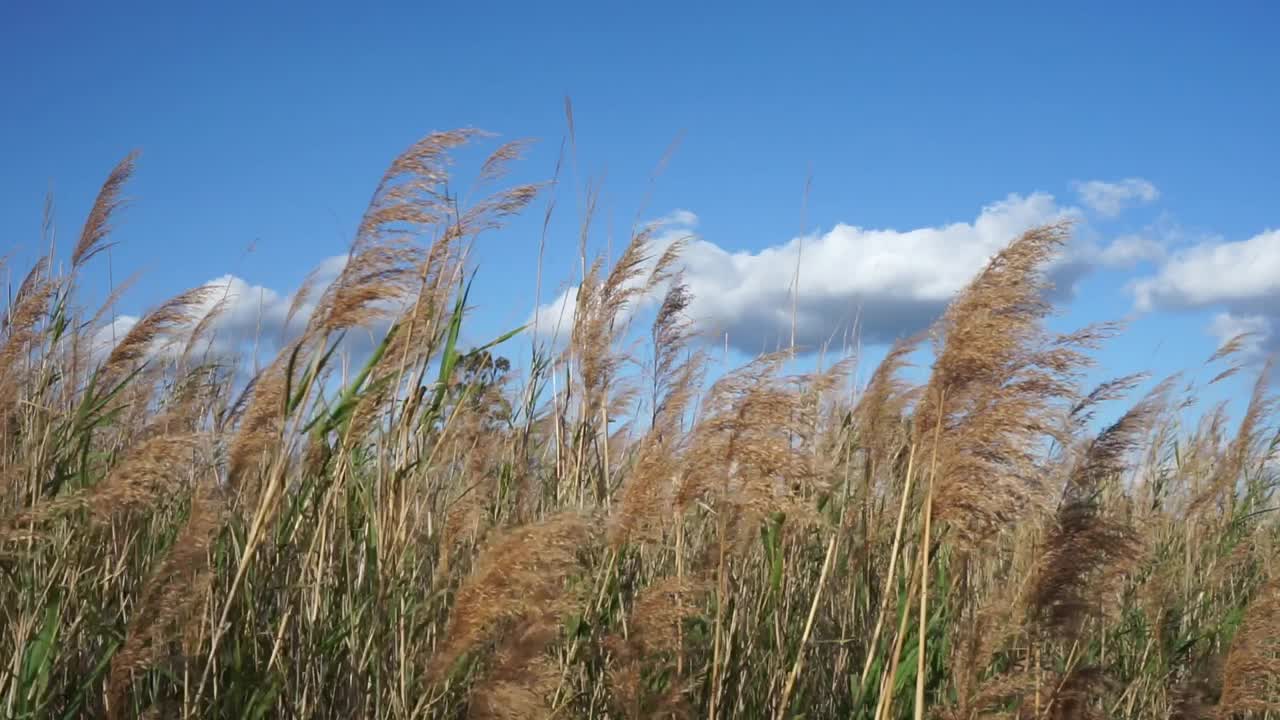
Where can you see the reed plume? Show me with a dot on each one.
(1086, 552)
(109, 201)
(649, 649)
(441, 531)
(1251, 674)
(157, 329)
(173, 593)
(518, 580)
(997, 385)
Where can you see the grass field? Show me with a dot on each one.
(613, 530)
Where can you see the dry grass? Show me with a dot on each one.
(604, 534)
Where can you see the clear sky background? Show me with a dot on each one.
(933, 133)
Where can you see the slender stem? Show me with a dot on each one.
(808, 626)
(924, 569)
(246, 557)
(893, 565)
(924, 602)
(886, 687)
(721, 592)
(680, 596)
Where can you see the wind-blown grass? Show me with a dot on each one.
(609, 535)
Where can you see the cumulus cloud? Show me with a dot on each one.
(105, 338)
(1243, 275)
(1242, 278)
(1226, 326)
(1109, 199)
(679, 218)
(553, 320)
(1129, 250)
(886, 282)
(249, 316)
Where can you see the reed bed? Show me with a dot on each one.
(616, 528)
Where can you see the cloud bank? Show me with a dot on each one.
(881, 283)
(1241, 278)
(251, 317)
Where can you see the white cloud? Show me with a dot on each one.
(251, 316)
(1243, 275)
(1226, 326)
(1129, 250)
(554, 320)
(679, 218)
(1109, 199)
(889, 282)
(106, 337)
(1242, 278)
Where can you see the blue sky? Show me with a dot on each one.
(266, 126)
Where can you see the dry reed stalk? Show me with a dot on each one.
(648, 494)
(478, 445)
(1243, 447)
(109, 303)
(926, 549)
(22, 335)
(644, 509)
(203, 328)
(1003, 376)
(743, 451)
(1084, 556)
(1231, 351)
(994, 392)
(261, 421)
(879, 408)
(884, 704)
(375, 281)
(882, 404)
(172, 594)
(675, 378)
(20, 328)
(517, 577)
(654, 636)
(872, 645)
(832, 546)
(991, 626)
(191, 402)
(153, 469)
(1251, 674)
(421, 326)
(1087, 553)
(597, 323)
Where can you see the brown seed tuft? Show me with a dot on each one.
(1251, 675)
(993, 392)
(518, 580)
(155, 330)
(98, 225)
(174, 591)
